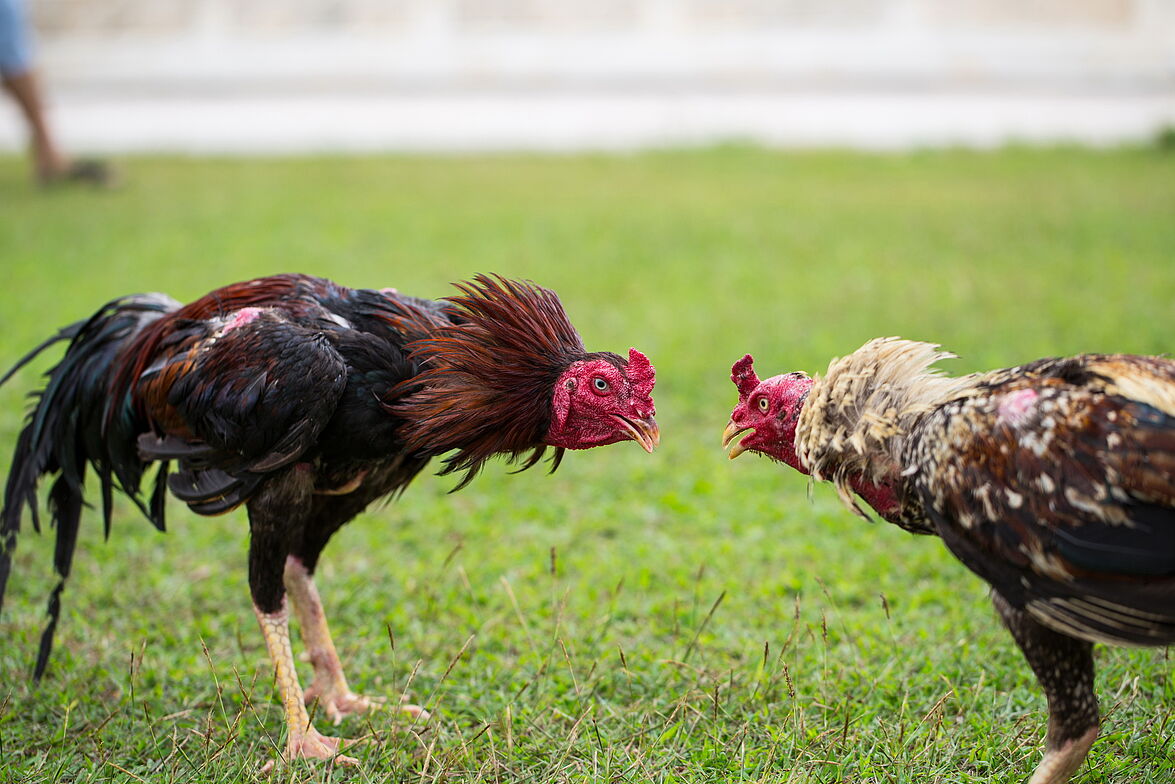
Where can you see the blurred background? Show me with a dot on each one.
(278, 76)
(992, 175)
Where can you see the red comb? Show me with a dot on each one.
(743, 376)
(641, 373)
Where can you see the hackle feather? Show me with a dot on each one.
(856, 416)
(488, 376)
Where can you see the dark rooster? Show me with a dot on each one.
(1053, 481)
(305, 402)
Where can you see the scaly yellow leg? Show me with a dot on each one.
(329, 686)
(303, 740)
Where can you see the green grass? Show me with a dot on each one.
(664, 618)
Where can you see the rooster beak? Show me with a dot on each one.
(732, 432)
(644, 431)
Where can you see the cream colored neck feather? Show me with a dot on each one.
(855, 417)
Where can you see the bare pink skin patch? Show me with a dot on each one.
(241, 318)
(1015, 408)
(882, 498)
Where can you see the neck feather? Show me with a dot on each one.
(853, 424)
(489, 362)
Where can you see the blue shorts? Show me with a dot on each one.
(15, 43)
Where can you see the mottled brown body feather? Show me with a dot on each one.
(1061, 471)
(1054, 481)
(1068, 506)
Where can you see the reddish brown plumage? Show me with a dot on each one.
(150, 343)
(487, 373)
(307, 401)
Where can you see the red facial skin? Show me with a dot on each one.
(771, 409)
(596, 403)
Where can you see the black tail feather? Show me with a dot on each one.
(107, 500)
(159, 498)
(7, 545)
(65, 333)
(74, 422)
(54, 612)
(65, 503)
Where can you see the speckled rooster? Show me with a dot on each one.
(1053, 481)
(305, 401)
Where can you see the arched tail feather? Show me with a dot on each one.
(65, 333)
(74, 422)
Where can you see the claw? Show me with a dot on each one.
(415, 711)
(313, 745)
(338, 706)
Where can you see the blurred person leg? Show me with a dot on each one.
(20, 81)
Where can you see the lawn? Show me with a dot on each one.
(650, 618)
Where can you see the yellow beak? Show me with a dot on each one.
(732, 432)
(644, 431)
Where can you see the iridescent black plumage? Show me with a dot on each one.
(230, 405)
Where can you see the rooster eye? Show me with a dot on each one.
(764, 404)
(601, 385)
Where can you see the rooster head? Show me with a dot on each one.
(604, 400)
(770, 409)
(504, 372)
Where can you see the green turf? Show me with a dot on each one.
(664, 618)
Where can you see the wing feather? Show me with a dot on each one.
(238, 400)
(1058, 488)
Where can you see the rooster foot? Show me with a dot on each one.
(1062, 761)
(313, 745)
(415, 711)
(337, 704)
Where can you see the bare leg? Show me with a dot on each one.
(329, 686)
(1064, 667)
(303, 740)
(47, 158)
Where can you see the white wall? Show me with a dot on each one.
(375, 74)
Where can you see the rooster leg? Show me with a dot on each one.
(1064, 667)
(329, 686)
(303, 740)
